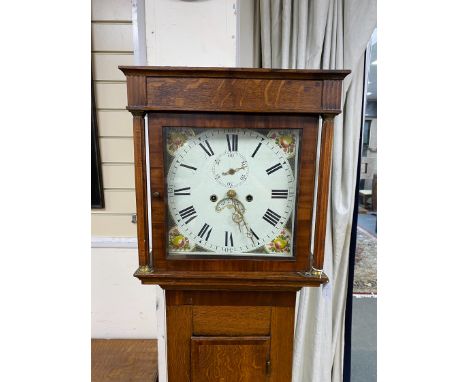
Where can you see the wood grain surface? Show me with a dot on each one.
(230, 359)
(234, 95)
(215, 281)
(323, 188)
(220, 315)
(140, 188)
(123, 360)
(231, 320)
(234, 89)
(184, 71)
(179, 332)
(229, 298)
(282, 341)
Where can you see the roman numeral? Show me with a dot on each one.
(232, 146)
(180, 191)
(189, 213)
(228, 239)
(274, 168)
(207, 149)
(253, 233)
(271, 217)
(190, 167)
(256, 149)
(279, 194)
(205, 230)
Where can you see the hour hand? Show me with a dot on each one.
(232, 171)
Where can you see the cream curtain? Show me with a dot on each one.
(324, 34)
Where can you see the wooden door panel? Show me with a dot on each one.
(230, 359)
(231, 320)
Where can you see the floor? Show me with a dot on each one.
(368, 222)
(123, 360)
(364, 327)
(365, 267)
(364, 340)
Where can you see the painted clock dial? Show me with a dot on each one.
(231, 191)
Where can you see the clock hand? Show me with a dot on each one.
(232, 171)
(237, 214)
(238, 217)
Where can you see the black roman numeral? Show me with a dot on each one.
(274, 168)
(190, 167)
(271, 217)
(180, 191)
(205, 230)
(256, 149)
(207, 149)
(279, 194)
(189, 213)
(228, 239)
(232, 145)
(253, 233)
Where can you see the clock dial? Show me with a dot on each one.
(232, 191)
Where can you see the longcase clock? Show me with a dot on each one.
(237, 164)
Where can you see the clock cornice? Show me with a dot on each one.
(234, 90)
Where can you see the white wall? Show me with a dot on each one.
(191, 33)
(246, 55)
(120, 306)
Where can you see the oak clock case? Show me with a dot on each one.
(231, 165)
(230, 192)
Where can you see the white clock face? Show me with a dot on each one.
(231, 191)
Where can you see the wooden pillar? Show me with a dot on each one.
(323, 188)
(139, 152)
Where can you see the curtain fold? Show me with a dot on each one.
(324, 34)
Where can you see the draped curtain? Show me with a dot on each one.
(323, 34)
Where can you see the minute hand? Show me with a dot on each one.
(238, 217)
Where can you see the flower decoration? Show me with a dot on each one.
(176, 138)
(284, 139)
(179, 242)
(281, 244)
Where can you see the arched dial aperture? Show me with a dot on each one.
(231, 190)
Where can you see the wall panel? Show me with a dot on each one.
(111, 95)
(111, 10)
(119, 201)
(118, 176)
(115, 123)
(116, 150)
(113, 225)
(108, 37)
(105, 65)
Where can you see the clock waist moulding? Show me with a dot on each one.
(235, 159)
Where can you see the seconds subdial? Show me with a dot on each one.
(230, 169)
